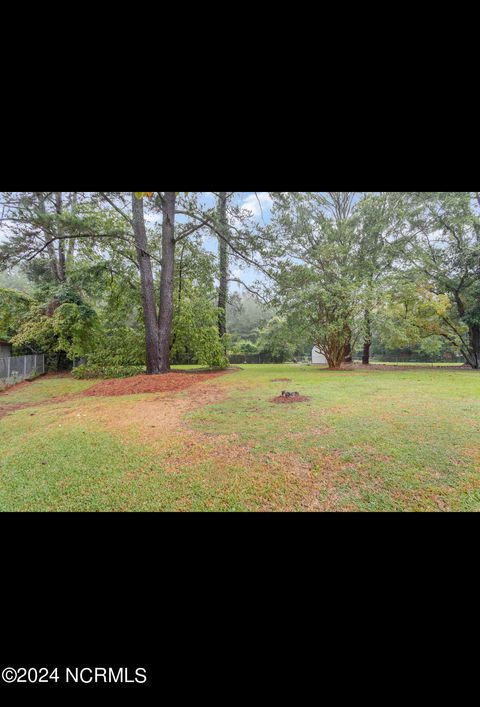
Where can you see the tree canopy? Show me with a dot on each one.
(144, 279)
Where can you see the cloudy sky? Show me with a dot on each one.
(259, 204)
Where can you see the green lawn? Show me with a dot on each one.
(379, 440)
(416, 365)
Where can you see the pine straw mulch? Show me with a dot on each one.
(114, 387)
(165, 383)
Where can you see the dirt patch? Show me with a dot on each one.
(283, 400)
(13, 388)
(7, 409)
(159, 421)
(167, 383)
(280, 380)
(13, 407)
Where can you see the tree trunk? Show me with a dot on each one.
(147, 286)
(334, 351)
(50, 247)
(348, 349)
(366, 353)
(348, 353)
(474, 336)
(223, 268)
(72, 242)
(62, 276)
(166, 283)
(367, 341)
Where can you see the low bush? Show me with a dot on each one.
(97, 371)
(121, 347)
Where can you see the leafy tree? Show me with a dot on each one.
(196, 327)
(119, 346)
(383, 235)
(14, 306)
(67, 328)
(317, 256)
(446, 251)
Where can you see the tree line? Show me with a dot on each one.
(404, 266)
(140, 278)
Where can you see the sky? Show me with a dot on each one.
(259, 204)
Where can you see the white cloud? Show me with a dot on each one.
(258, 203)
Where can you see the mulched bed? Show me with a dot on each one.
(166, 383)
(283, 400)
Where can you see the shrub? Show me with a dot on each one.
(121, 347)
(105, 371)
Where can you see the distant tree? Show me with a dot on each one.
(275, 340)
(246, 316)
(243, 346)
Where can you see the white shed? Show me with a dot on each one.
(318, 359)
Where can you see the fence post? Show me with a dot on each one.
(8, 368)
(24, 366)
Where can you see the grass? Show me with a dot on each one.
(379, 440)
(421, 364)
(43, 390)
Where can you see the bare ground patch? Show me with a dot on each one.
(221, 461)
(12, 407)
(283, 400)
